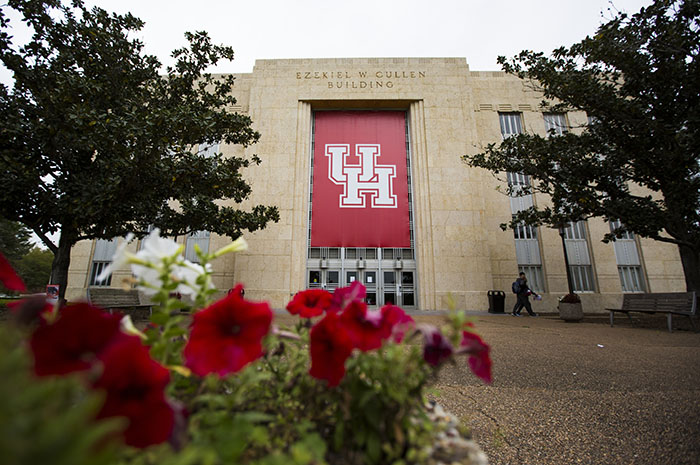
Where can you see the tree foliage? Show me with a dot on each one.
(14, 240)
(35, 269)
(638, 80)
(95, 142)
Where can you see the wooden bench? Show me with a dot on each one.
(111, 298)
(670, 303)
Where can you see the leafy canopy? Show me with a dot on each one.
(14, 240)
(638, 80)
(95, 142)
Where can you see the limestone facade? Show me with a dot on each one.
(461, 252)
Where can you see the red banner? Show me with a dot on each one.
(360, 183)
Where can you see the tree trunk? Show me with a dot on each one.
(690, 258)
(61, 262)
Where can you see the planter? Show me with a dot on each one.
(570, 312)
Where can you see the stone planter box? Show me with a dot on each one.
(570, 312)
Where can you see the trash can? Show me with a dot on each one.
(497, 301)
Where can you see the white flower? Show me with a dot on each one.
(120, 258)
(148, 265)
(188, 273)
(156, 248)
(239, 245)
(127, 326)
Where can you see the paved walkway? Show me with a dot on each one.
(569, 393)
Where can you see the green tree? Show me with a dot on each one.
(14, 240)
(95, 142)
(638, 80)
(35, 269)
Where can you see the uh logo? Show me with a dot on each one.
(366, 178)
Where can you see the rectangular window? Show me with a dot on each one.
(524, 231)
(614, 224)
(535, 277)
(629, 263)
(511, 124)
(527, 246)
(201, 238)
(104, 251)
(582, 277)
(555, 123)
(97, 268)
(580, 264)
(631, 278)
(518, 179)
(575, 230)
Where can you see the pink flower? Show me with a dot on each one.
(399, 322)
(134, 385)
(330, 348)
(227, 335)
(367, 329)
(478, 350)
(72, 342)
(310, 303)
(8, 277)
(343, 296)
(437, 349)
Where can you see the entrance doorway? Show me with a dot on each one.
(389, 274)
(388, 280)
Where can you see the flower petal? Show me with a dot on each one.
(8, 277)
(227, 335)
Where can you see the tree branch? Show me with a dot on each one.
(47, 242)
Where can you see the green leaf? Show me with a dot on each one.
(374, 449)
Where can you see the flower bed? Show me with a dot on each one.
(344, 384)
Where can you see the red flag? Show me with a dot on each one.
(360, 183)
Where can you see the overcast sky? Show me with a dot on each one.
(478, 30)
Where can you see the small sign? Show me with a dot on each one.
(52, 291)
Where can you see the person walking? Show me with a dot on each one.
(522, 292)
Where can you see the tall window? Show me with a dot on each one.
(104, 251)
(555, 122)
(576, 241)
(629, 264)
(201, 238)
(527, 246)
(511, 124)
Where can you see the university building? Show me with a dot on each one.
(362, 158)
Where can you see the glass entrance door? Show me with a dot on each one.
(383, 286)
(328, 280)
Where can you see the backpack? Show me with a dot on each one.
(516, 287)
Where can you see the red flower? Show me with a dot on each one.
(367, 329)
(343, 296)
(437, 349)
(30, 310)
(134, 385)
(398, 321)
(227, 335)
(73, 340)
(8, 276)
(478, 350)
(330, 348)
(310, 303)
